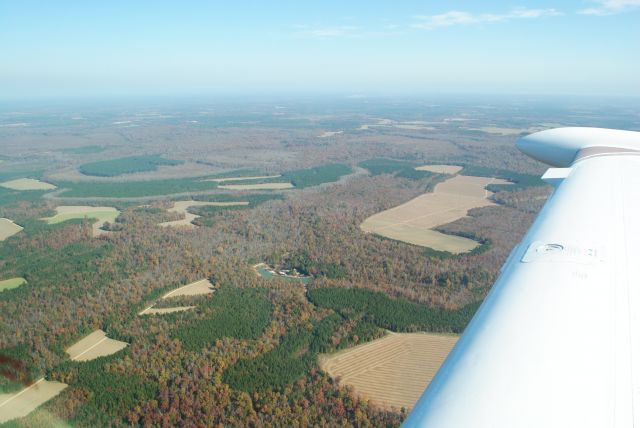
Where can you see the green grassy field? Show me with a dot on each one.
(128, 165)
(9, 284)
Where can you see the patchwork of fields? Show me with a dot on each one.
(392, 371)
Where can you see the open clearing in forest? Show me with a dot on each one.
(182, 207)
(327, 134)
(27, 184)
(103, 214)
(505, 132)
(23, 402)
(413, 221)
(258, 186)
(95, 345)
(159, 311)
(194, 289)
(440, 169)
(11, 283)
(8, 228)
(257, 177)
(392, 371)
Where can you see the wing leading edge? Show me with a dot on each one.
(556, 343)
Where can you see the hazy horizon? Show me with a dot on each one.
(70, 50)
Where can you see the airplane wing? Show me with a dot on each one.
(556, 343)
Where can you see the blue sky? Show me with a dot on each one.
(86, 48)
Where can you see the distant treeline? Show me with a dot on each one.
(127, 165)
(398, 168)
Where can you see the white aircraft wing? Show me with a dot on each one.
(556, 343)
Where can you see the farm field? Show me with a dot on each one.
(11, 283)
(257, 177)
(257, 186)
(183, 206)
(194, 289)
(103, 214)
(27, 184)
(159, 311)
(413, 221)
(95, 345)
(392, 371)
(8, 228)
(440, 169)
(21, 403)
(327, 134)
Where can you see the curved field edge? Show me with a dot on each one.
(132, 189)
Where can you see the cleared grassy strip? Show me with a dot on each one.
(101, 214)
(160, 311)
(127, 165)
(9, 284)
(440, 169)
(183, 206)
(20, 404)
(257, 186)
(95, 345)
(27, 184)
(256, 177)
(194, 289)
(392, 371)
(132, 189)
(8, 228)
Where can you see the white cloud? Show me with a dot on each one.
(456, 17)
(610, 7)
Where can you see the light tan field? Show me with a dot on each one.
(440, 169)
(21, 403)
(392, 371)
(103, 214)
(95, 345)
(194, 289)
(328, 134)
(413, 221)
(182, 206)
(257, 177)
(261, 186)
(8, 228)
(508, 131)
(27, 184)
(151, 310)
